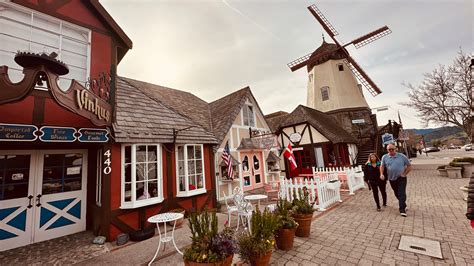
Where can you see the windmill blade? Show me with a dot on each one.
(298, 63)
(370, 37)
(328, 27)
(361, 76)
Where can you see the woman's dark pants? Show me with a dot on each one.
(376, 186)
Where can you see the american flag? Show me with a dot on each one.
(228, 161)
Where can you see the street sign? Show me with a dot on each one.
(387, 139)
(358, 121)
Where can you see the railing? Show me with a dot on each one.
(323, 189)
(350, 177)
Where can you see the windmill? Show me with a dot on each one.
(358, 72)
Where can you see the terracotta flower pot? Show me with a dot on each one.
(304, 221)
(284, 238)
(262, 260)
(226, 262)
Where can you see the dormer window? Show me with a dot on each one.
(325, 93)
(249, 116)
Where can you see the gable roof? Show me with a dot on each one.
(225, 110)
(275, 119)
(140, 118)
(324, 123)
(182, 102)
(216, 117)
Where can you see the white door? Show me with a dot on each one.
(42, 195)
(61, 196)
(16, 198)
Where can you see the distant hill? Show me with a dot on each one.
(439, 136)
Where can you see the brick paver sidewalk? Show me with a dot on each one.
(355, 233)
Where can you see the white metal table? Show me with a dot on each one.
(164, 218)
(256, 197)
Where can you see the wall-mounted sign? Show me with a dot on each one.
(16, 132)
(58, 134)
(387, 139)
(358, 121)
(295, 137)
(90, 102)
(93, 135)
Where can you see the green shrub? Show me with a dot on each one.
(283, 211)
(464, 160)
(261, 239)
(302, 204)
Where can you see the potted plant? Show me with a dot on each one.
(179, 222)
(467, 163)
(303, 212)
(209, 247)
(442, 170)
(285, 234)
(454, 171)
(256, 245)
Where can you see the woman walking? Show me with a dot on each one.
(372, 177)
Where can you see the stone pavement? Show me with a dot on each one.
(351, 233)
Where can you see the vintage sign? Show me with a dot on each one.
(90, 102)
(358, 121)
(58, 134)
(387, 139)
(403, 135)
(295, 137)
(93, 135)
(17, 132)
(100, 85)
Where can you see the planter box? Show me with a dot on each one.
(467, 169)
(454, 172)
(334, 185)
(443, 172)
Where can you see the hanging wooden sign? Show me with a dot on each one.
(17, 132)
(58, 134)
(93, 135)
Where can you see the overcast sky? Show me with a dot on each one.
(212, 48)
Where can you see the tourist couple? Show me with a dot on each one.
(394, 167)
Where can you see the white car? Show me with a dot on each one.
(468, 147)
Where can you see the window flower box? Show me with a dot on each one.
(334, 184)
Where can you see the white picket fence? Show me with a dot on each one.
(351, 177)
(321, 191)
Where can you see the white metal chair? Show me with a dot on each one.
(245, 210)
(230, 209)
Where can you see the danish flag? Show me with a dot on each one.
(288, 153)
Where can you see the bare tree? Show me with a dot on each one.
(446, 95)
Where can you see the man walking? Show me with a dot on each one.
(398, 166)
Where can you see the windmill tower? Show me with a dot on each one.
(335, 80)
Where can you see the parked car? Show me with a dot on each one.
(468, 147)
(430, 149)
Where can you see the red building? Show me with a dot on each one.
(81, 148)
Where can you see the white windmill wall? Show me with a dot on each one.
(343, 89)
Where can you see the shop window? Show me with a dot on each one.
(62, 173)
(245, 163)
(190, 170)
(23, 29)
(249, 116)
(142, 182)
(14, 176)
(256, 163)
(325, 93)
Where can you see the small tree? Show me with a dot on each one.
(445, 95)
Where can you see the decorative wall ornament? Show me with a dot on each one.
(39, 68)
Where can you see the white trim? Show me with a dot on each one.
(133, 203)
(196, 191)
